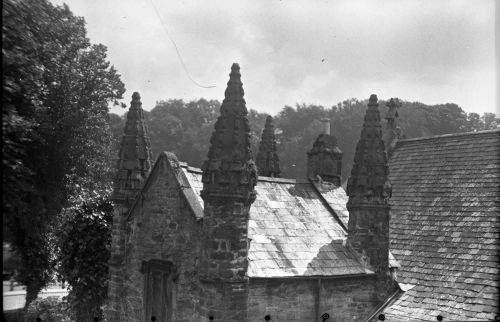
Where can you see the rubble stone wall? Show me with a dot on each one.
(163, 227)
(294, 300)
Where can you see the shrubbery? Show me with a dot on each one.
(50, 309)
(84, 249)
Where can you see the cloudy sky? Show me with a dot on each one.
(317, 52)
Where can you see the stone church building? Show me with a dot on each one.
(233, 241)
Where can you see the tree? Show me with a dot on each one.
(474, 122)
(84, 241)
(491, 122)
(56, 91)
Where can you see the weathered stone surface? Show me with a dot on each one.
(134, 158)
(133, 166)
(186, 256)
(368, 182)
(229, 178)
(229, 172)
(162, 227)
(393, 132)
(298, 300)
(267, 160)
(369, 189)
(325, 160)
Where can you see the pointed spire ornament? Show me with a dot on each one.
(229, 171)
(134, 158)
(369, 191)
(267, 158)
(369, 182)
(134, 164)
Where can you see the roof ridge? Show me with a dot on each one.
(189, 168)
(449, 135)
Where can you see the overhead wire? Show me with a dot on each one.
(176, 48)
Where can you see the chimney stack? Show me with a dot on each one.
(326, 125)
(325, 158)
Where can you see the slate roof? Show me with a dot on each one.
(445, 227)
(294, 229)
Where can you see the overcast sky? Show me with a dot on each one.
(317, 52)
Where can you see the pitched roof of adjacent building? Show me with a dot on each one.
(445, 209)
(296, 227)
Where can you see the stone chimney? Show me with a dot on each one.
(393, 132)
(369, 191)
(229, 178)
(325, 158)
(133, 166)
(326, 125)
(268, 162)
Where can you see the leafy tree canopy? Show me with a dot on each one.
(185, 128)
(56, 91)
(84, 239)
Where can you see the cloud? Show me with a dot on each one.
(293, 51)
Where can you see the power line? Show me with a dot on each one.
(177, 49)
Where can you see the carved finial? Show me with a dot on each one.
(134, 158)
(368, 183)
(393, 132)
(393, 104)
(136, 97)
(136, 100)
(235, 103)
(230, 170)
(267, 158)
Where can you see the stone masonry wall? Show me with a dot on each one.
(163, 227)
(299, 300)
(226, 263)
(116, 269)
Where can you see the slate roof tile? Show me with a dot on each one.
(296, 229)
(445, 226)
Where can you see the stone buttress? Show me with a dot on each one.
(229, 177)
(369, 191)
(133, 166)
(267, 160)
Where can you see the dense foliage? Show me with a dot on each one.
(185, 128)
(50, 309)
(56, 91)
(84, 249)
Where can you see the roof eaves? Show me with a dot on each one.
(393, 298)
(296, 277)
(190, 195)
